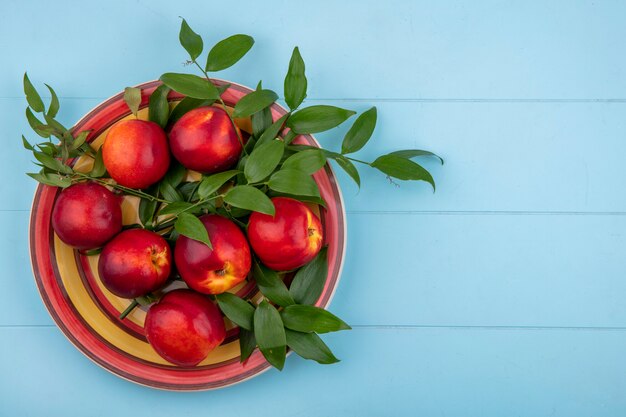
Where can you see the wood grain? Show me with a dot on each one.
(500, 294)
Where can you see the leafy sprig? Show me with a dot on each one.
(270, 165)
(286, 317)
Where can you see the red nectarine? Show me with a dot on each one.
(205, 140)
(135, 153)
(289, 239)
(184, 326)
(213, 271)
(135, 263)
(86, 215)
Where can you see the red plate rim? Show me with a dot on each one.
(88, 341)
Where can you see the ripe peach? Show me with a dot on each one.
(86, 215)
(135, 263)
(135, 153)
(184, 326)
(213, 271)
(205, 140)
(288, 240)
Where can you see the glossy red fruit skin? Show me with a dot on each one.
(134, 263)
(136, 153)
(289, 239)
(86, 215)
(184, 327)
(205, 140)
(213, 271)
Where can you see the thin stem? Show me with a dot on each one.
(170, 222)
(289, 137)
(165, 225)
(130, 308)
(232, 121)
(239, 222)
(357, 160)
(200, 202)
(127, 190)
(201, 69)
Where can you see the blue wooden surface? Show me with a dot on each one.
(500, 294)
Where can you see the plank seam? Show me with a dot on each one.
(483, 327)
(451, 212)
(408, 327)
(409, 100)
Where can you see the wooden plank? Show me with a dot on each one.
(454, 372)
(442, 270)
(500, 157)
(534, 270)
(392, 49)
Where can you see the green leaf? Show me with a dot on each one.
(309, 161)
(191, 85)
(254, 102)
(185, 105)
(55, 124)
(228, 51)
(349, 168)
(263, 160)
(289, 137)
(98, 169)
(236, 213)
(52, 163)
(32, 96)
(270, 334)
(175, 174)
(249, 198)
(308, 319)
(295, 81)
(190, 226)
(80, 139)
(402, 169)
(175, 207)
(272, 286)
(307, 199)
(188, 190)
(159, 107)
(27, 145)
(261, 120)
(295, 182)
(360, 132)
(169, 192)
(48, 148)
(272, 132)
(317, 119)
(147, 208)
(237, 310)
(310, 346)
(247, 343)
(190, 40)
(241, 165)
(212, 183)
(308, 284)
(132, 97)
(54, 103)
(54, 180)
(412, 153)
(37, 126)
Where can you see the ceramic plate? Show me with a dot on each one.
(88, 314)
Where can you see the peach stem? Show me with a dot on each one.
(130, 308)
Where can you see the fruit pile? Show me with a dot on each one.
(217, 205)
